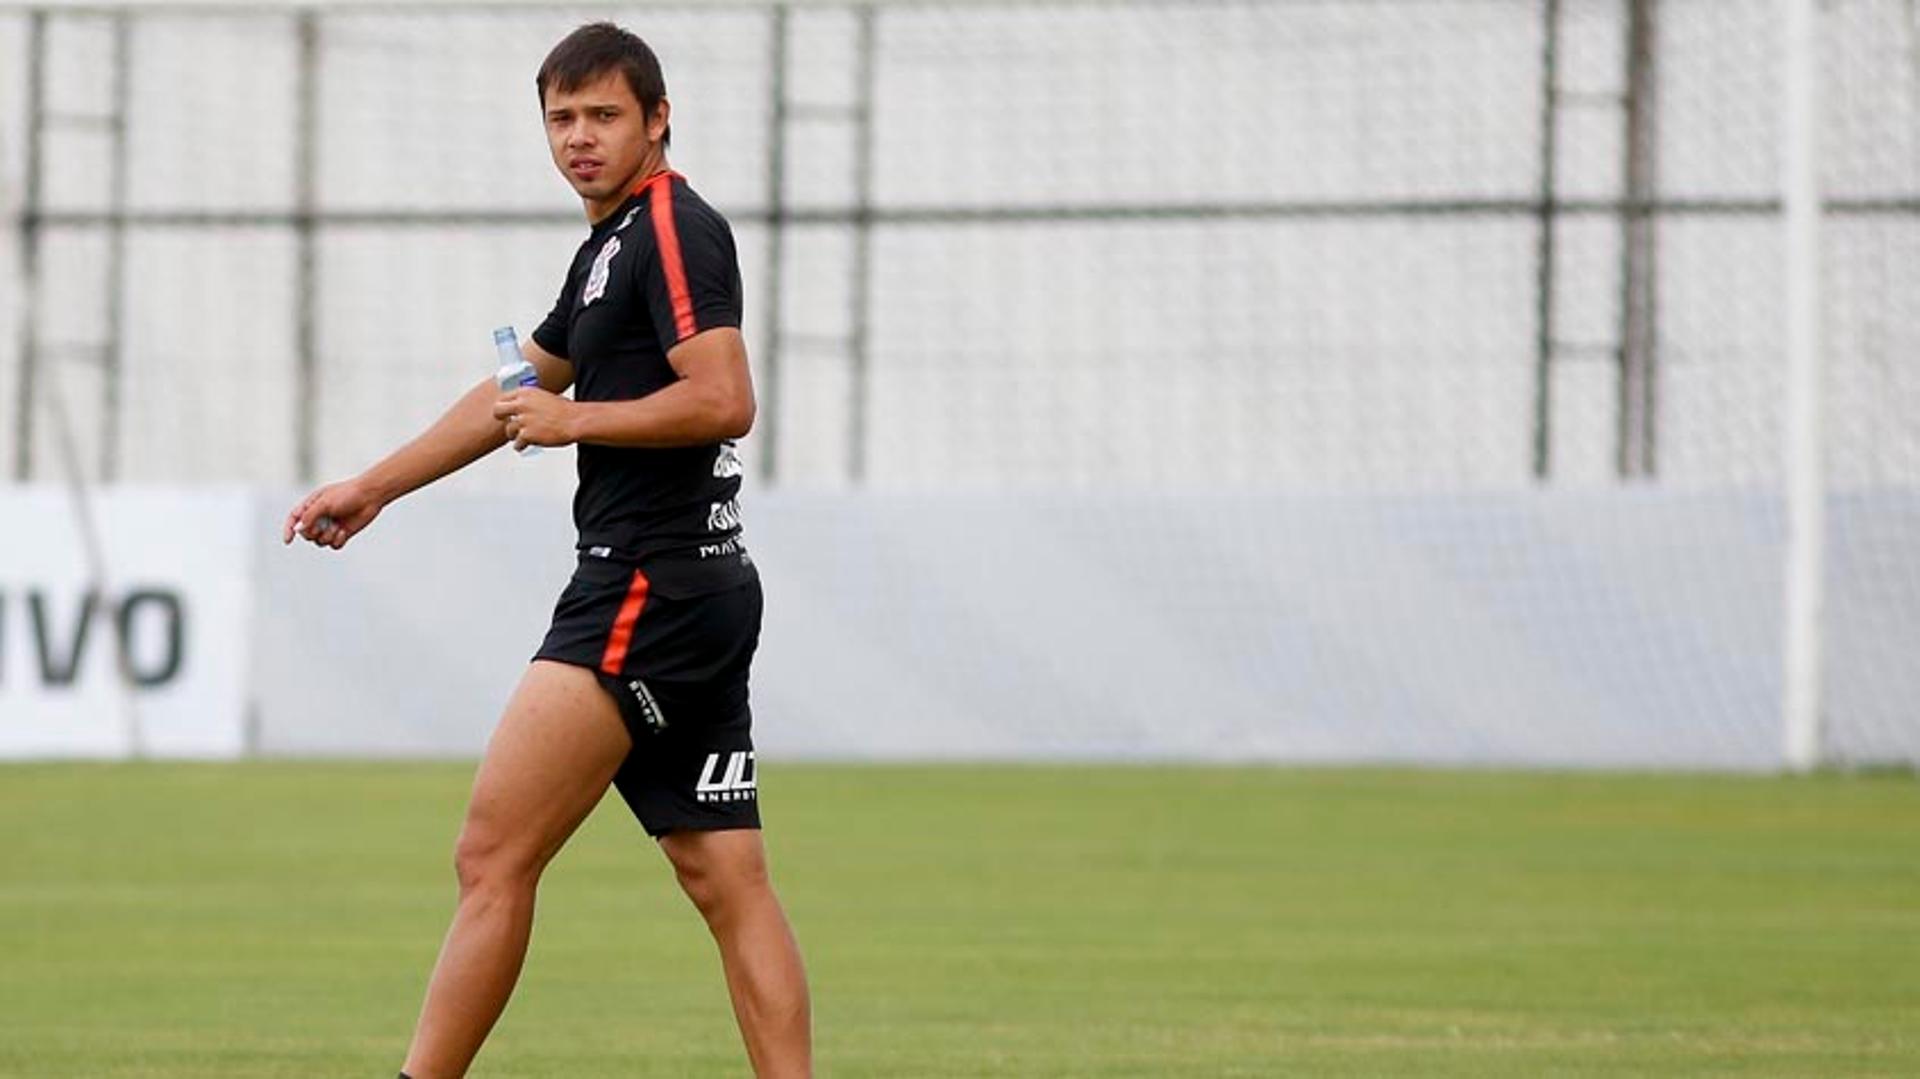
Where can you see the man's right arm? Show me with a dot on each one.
(334, 514)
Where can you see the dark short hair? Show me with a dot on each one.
(595, 49)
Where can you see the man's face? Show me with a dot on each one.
(599, 137)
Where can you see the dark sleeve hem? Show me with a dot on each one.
(545, 340)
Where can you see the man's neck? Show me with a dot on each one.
(653, 164)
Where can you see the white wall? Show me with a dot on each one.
(1583, 629)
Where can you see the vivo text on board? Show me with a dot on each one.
(148, 626)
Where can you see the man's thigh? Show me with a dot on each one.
(556, 749)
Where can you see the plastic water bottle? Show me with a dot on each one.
(514, 371)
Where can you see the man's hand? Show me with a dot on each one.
(536, 418)
(332, 515)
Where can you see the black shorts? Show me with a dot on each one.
(672, 642)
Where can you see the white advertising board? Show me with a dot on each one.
(136, 647)
(1619, 629)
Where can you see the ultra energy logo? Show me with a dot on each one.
(735, 785)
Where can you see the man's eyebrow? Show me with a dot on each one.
(601, 106)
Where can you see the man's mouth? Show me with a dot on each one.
(585, 168)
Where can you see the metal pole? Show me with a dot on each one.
(859, 338)
(113, 353)
(30, 225)
(1805, 477)
(1636, 420)
(1544, 269)
(306, 163)
(769, 442)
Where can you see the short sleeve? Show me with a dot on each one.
(692, 283)
(551, 334)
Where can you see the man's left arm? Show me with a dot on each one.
(710, 402)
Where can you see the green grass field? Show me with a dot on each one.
(279, 920)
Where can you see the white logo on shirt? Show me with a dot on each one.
(597, 277)
(724, 516)
(726, 463)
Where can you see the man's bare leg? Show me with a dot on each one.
(549, 761)
(725, 874)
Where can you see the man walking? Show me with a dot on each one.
(641, 681)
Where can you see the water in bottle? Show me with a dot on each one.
(514, 371)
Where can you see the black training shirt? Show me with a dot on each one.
(653, 273)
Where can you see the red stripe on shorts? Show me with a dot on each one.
(667, 238)
(621, 639)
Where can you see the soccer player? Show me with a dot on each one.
(641, 681)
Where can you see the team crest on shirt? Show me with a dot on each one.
(602, 266)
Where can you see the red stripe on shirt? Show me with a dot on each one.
(667, 238)
(621, 639)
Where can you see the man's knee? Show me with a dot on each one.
(718, 874)
(484, 859)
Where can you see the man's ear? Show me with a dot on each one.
(657, 123)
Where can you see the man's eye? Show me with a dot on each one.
(607, 114)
